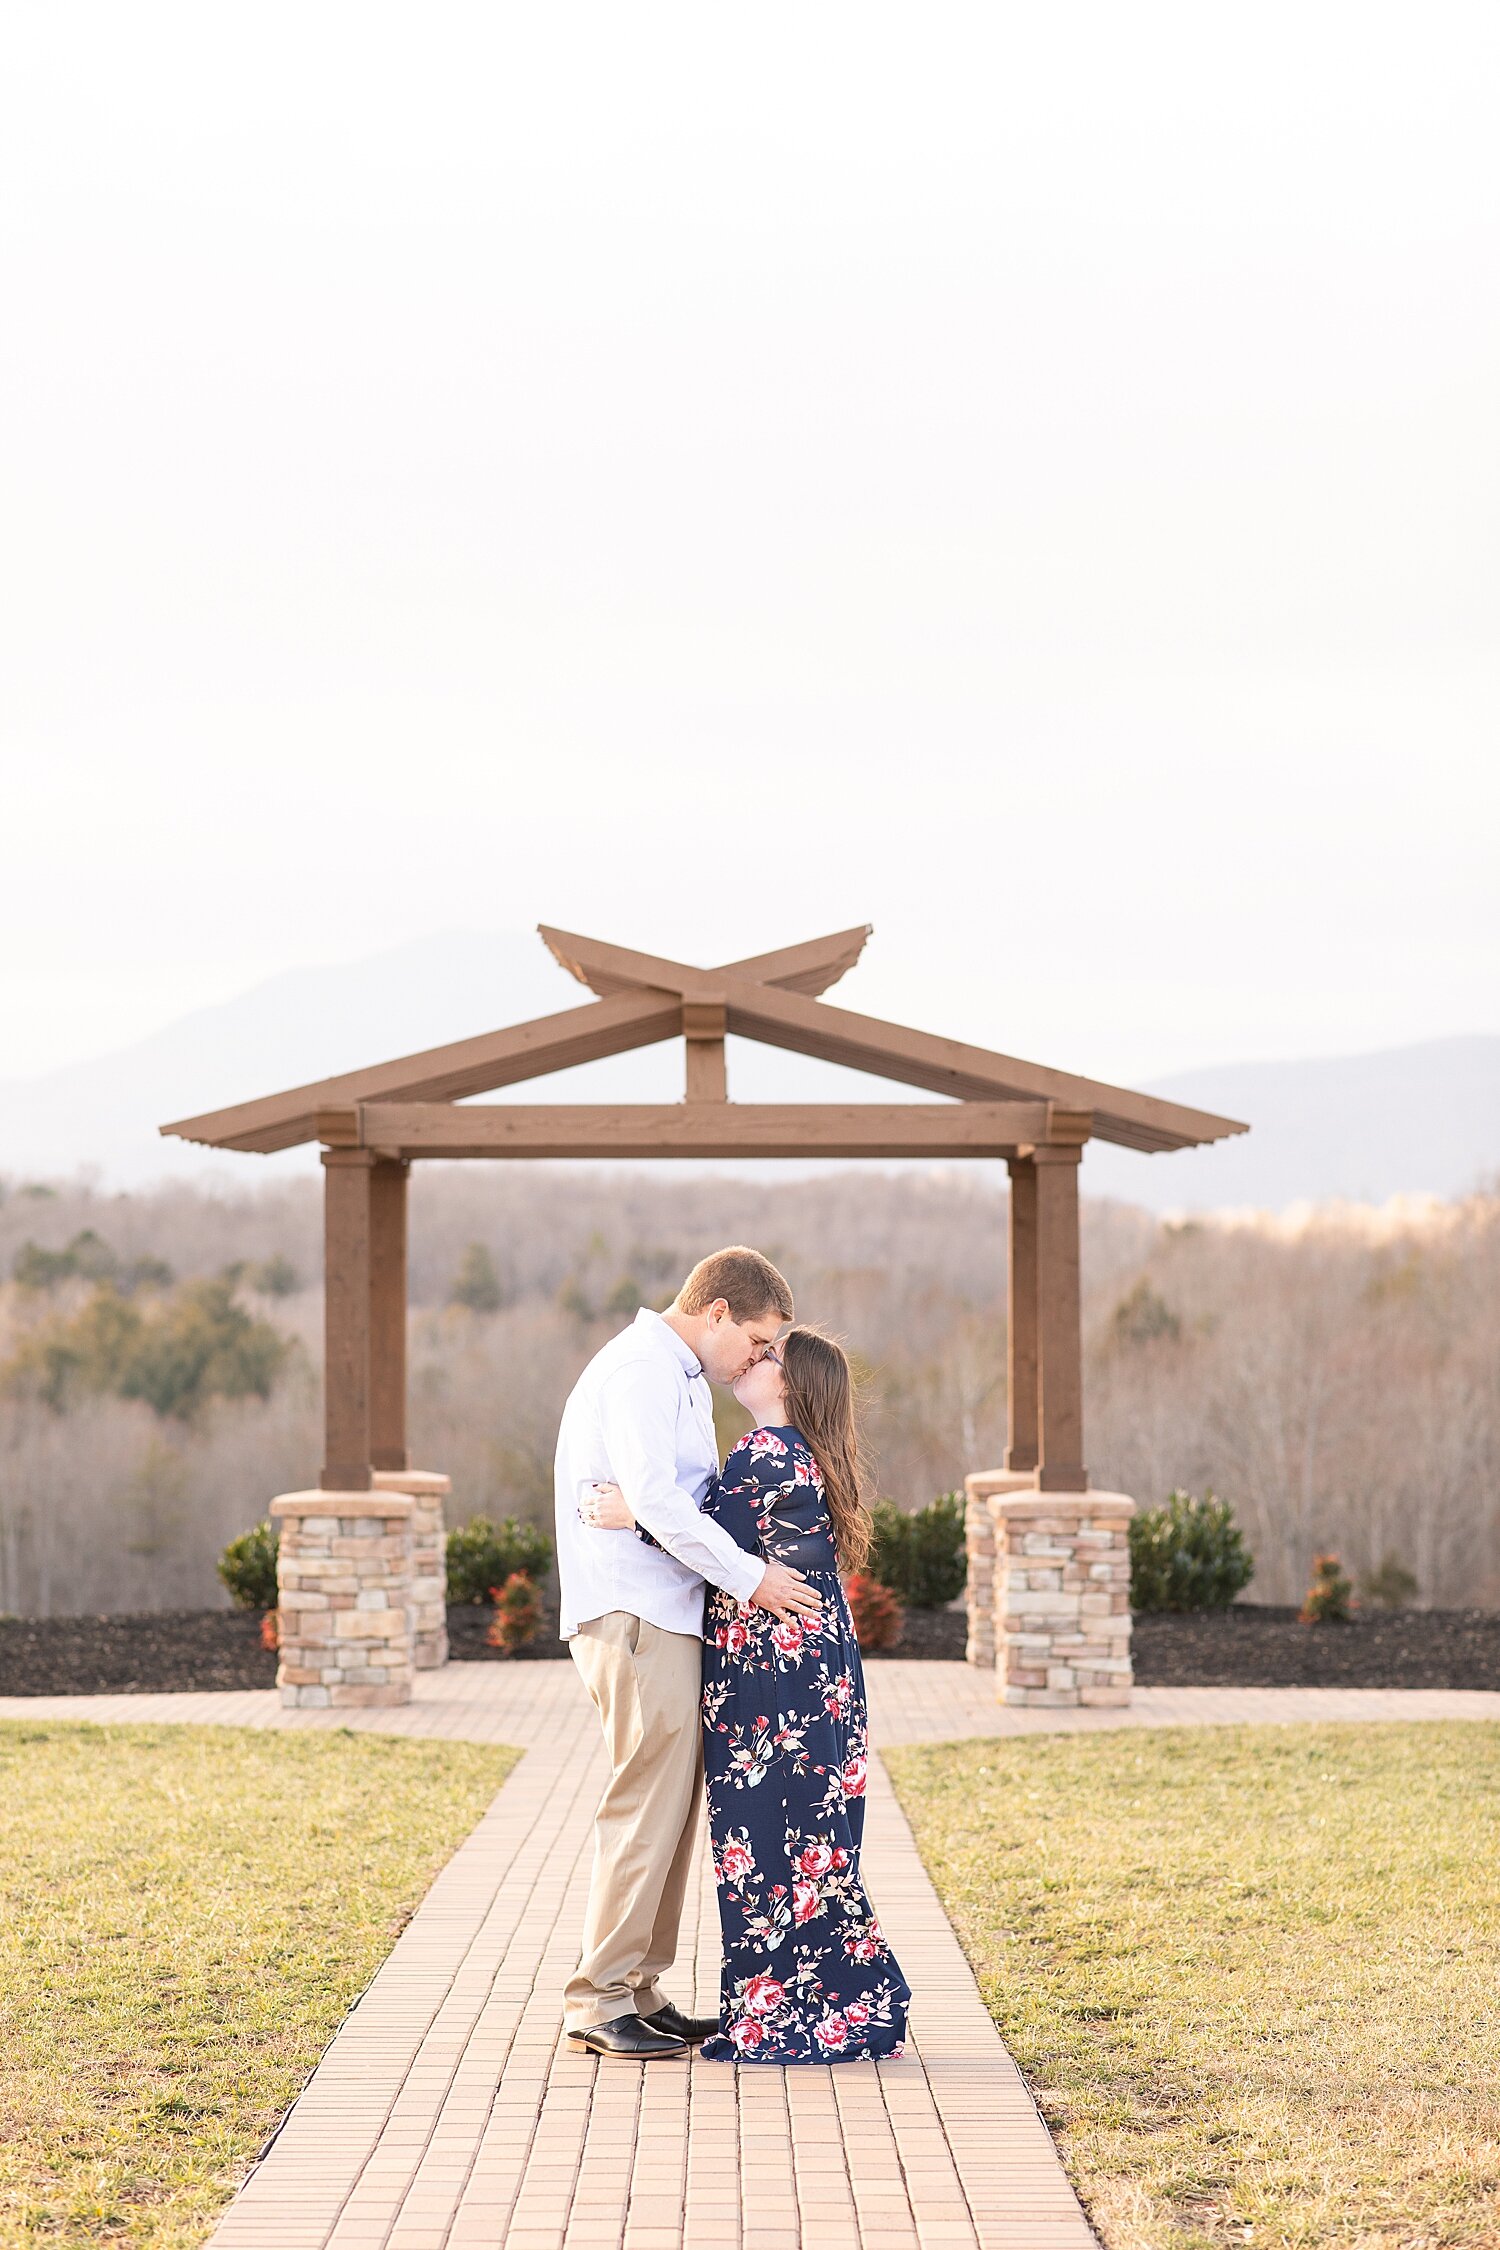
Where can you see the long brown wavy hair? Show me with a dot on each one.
(821, 1403)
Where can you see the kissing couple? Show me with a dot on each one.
(707, 1617)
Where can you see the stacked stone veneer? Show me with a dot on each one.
(429, 1560)
(344, 1575)
(1049, 1591)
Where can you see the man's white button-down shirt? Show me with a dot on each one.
(641, 1416)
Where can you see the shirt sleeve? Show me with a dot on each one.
(638, 1423)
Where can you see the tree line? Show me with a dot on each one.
(159, 1358)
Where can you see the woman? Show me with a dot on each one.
(808, 1976)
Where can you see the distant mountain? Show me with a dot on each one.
(312, 1023)
(1407, 1120)
(1416, 1118)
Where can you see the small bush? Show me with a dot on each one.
(1391, 1586)
(277, 1277)
(875, 1610)
(921, 1555)
(482, 1555)
(270, 1630)
(1145, 1317)
(248, 1567)
(518, 1613)
(476, 1285)
(1187, 1555)
(1329, 1600)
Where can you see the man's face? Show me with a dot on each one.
(730, 1346)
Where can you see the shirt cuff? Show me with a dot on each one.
(755, 1571)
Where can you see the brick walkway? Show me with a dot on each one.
(447, 2114)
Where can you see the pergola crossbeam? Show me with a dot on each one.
(698, 1129)
(767, 1010)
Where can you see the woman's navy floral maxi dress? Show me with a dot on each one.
(808, 1976)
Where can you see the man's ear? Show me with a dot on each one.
(718, 1312)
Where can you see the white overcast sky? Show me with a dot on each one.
(1025, 476)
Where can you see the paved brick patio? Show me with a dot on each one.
(448, 2115)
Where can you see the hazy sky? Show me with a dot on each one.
(1023, 476)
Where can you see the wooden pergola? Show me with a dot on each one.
(374, 1123)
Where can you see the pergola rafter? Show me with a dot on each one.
(374, 1123)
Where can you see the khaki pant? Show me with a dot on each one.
(646, 1686)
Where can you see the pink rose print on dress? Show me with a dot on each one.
(806, 1902)
(736, 1860)
(807, 1978)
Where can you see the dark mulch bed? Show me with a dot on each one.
(1248, 1645)
(178, 1649)
(1253, 1644)
(172, 1649)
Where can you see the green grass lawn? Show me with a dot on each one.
(1251, 1974)
(185, 1915)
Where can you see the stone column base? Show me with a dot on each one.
(1062, 1598)
(344, 1609)
(979, 1540)
(429, 1565)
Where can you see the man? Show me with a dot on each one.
(641, 1416)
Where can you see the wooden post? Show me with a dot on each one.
(388, 1315)
(1021, 1343)
(703, 1023)
(1059, 1324)
(347, 1199)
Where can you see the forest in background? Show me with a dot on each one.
(1335, 1379)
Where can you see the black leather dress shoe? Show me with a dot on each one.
(632, 2038)
(688, 2028)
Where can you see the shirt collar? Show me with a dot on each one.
(686, 1359)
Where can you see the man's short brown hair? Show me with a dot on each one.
(748, 1283)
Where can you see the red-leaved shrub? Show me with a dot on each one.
(518, 1613)
(1330, 1597)
(270, 1632)
(878, 1616)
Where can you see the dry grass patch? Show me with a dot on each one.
(1251, 1974)
(186, 1914)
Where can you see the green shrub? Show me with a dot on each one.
(921, 1556)
(482, 1554)
(1187, 1555)
(248, 1568)
(1391, 1585)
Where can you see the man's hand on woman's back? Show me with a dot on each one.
(786, 1593)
